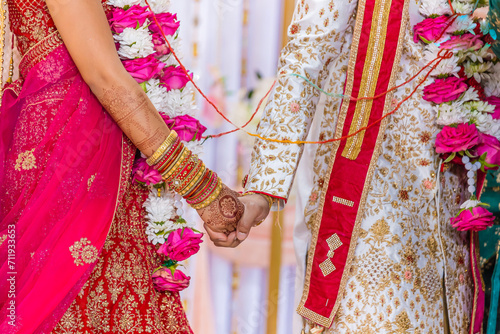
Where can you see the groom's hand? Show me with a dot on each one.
(256, 210)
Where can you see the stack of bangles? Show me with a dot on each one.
(185, 173)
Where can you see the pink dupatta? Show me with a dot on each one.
(62, 163)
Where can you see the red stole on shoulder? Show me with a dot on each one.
(373, 64)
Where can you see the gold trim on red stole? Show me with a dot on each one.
(302, 310)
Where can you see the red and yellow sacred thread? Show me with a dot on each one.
(446, 55)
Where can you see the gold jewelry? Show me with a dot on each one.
(269, 199)
(172, 136)
(210, 198)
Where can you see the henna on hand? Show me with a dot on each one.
(224, 213)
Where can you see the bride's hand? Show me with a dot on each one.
(223, 214)
(256, 210)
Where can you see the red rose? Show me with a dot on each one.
(475, 219)
(143, 69)
(445, 90)
(163, 280)
(491, 147)
(456, 139)
(168, 23)
(187, 127)
(181, 244)
(160, 45)
(430, 29)
(119, 19)
(493, 100)
(174, 77)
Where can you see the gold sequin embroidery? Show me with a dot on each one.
(90, 181)
(25, 161)
(84, 252)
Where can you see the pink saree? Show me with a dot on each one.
(63, 164)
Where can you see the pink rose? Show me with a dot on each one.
(493, 100)
(445, 90)
(429, 29)
(174, 77)
(168, 23)
(457, 139)
(119, 18)
(475, 219)
(187, 127)
(143, 173)
(181, 244)
(163, 280)
(160, 45)
(143, 69)
(491, 146)
(468, 42)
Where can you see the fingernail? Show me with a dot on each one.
(242, 236)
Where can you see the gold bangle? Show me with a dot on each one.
(211, 198)
(172, 136)
(196, 179)
(183, 157)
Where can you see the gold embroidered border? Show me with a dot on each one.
(369, 79)
(302, 310)
(342, 201)
(38, 52)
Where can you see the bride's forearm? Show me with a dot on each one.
(87, 36)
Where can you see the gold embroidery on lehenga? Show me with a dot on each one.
(25, 160)
(84, 252)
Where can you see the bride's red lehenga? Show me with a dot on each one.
(83, 263)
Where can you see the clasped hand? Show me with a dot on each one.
(230, 217)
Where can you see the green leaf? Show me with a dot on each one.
(451, 157)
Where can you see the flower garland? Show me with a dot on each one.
(464, 96)
(148, 59)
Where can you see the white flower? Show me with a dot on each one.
(436, 7)
(123, 3)
(470, 95)
(445, 66)
(158, 6)
(156, 93)
(479, 106)
(195, 147)
(135, 43)
(469, 204)
(179, 102)
(462, 23)
(462, 8)
(450, 114)
(160, 209)
(491, 82)
(485, 123)
(476, 69)
(176, 45)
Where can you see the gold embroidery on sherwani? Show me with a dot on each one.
(83, 252)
